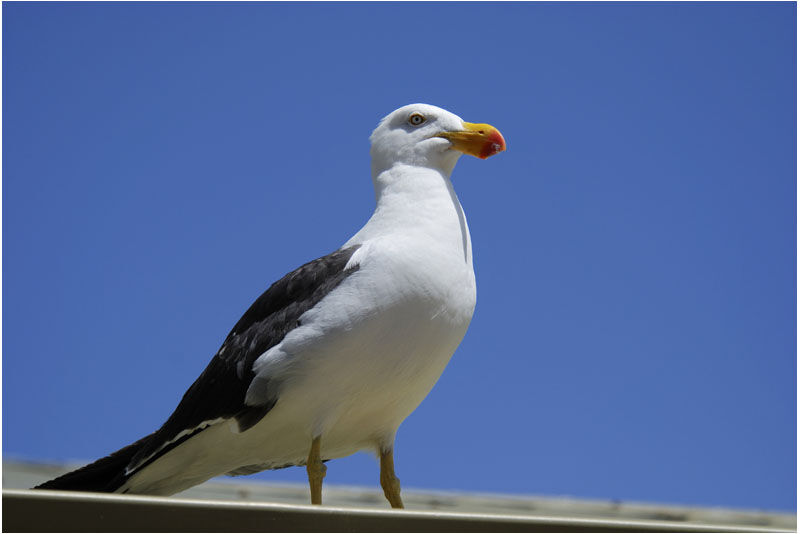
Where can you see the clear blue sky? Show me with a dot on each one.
(635, 246)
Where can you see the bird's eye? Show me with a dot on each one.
(416, 119)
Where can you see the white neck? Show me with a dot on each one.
(419, 201)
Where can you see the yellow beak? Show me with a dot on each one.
(479, 140)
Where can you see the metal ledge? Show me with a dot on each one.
(64, 511)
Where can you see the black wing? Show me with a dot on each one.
(220, 390)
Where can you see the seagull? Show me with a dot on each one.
(332, 357)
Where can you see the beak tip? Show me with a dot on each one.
(494, 145)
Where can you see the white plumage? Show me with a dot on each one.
(364, 356)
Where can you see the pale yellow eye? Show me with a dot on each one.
(416, 119)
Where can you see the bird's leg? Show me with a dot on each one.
(389, 482)
(316, 471)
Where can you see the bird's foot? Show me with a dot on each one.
(391, 488)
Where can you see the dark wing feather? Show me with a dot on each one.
(220, 390)
(106, 474)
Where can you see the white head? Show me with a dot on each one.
(422, 135)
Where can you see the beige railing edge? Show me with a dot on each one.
(53, 511)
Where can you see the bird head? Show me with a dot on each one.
(427, 136)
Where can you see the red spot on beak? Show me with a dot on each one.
(493, 145)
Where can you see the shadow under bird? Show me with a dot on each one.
(335, 355)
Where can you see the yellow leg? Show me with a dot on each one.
(389, 482)
(316, 471)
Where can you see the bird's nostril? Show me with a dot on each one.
(480, 132)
